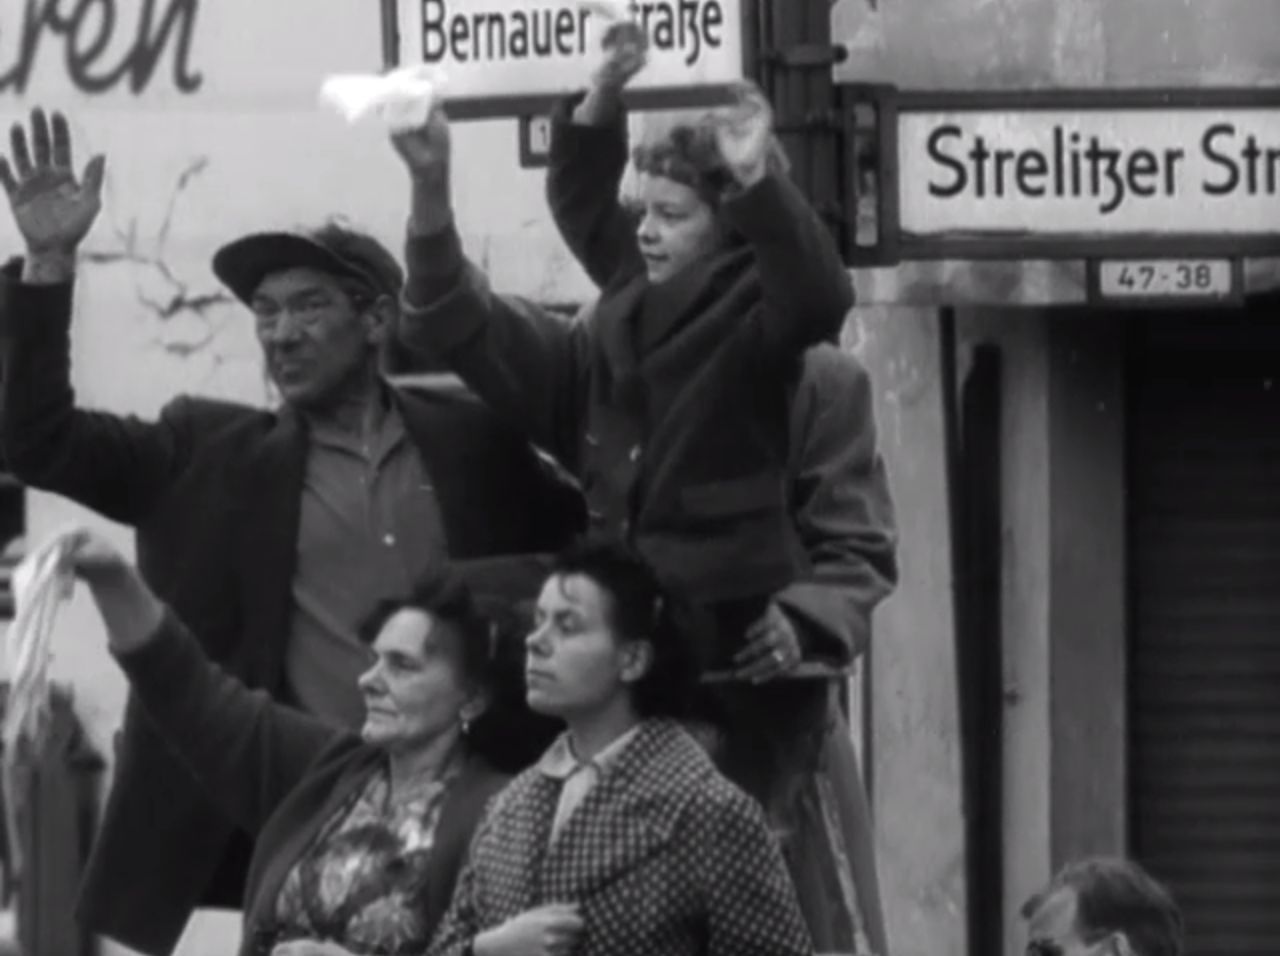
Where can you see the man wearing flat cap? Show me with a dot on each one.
(271, 534)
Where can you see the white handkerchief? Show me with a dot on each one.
(399, 100)
(41, 582)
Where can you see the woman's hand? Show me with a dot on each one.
(773, 648)
(427, 152)
(551, 930)
(94, 559)
(131, 612)
(626, 51)
(426, 149)
(744, 136)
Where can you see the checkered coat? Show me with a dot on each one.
(664, 856)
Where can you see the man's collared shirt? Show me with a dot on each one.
(370, 530)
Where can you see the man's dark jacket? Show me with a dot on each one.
(213, 490)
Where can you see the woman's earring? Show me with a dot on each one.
(465, 723)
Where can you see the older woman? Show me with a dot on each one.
(623, 840)
(358, 838)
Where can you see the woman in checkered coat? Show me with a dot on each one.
(624, 840)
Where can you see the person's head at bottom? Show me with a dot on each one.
(447, 672)
(1103, 907)
(605, 653)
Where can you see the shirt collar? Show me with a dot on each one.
(560, 762)
(390, 433)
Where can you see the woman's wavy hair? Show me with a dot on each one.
(686, 153)
(490, 634)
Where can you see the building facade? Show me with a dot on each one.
(1110, 497)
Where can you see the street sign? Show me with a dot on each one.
(1051, 174)
(1105, 172)
(513, 57)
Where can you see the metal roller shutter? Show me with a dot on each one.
(1205, 668)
